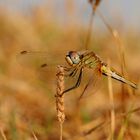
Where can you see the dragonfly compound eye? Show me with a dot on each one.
(73, 58)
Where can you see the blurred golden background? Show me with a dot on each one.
(27, 102)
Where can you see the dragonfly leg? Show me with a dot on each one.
(66, 68)
(77, 83)
(69, 72)
(73, 73)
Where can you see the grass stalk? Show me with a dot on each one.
(94, 4)
(88, 36)
(34, 136)
(3, 134)
(112, 111)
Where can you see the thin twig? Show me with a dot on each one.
(35, 137)
(88, 132)
(94, 4)
(88, 37)
(2, 134)
(111, 98)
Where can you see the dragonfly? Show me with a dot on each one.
(81, 61)
(88, 59)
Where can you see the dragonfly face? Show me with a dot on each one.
(73, 58)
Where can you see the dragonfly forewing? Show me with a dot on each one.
(38, 59)
(45, 66)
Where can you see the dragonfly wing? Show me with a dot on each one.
(39, 67)
(36, 59)
(91, 83)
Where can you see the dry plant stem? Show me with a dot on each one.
(88, 37)
(120, 45)
(93, 129)
(94, 4)
(2, 134)
(35, 137)
(60, 98)
(105, 123)
(112, 112)
(61, 131)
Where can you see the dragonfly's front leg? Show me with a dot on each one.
(77, 83)
(70, 71)
(67, 71)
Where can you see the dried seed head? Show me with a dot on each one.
(59, 94)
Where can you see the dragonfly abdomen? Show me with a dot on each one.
(113, 74)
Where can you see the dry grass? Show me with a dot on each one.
(112, 110)
(27, 103)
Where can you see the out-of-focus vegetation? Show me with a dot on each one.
(27, 102)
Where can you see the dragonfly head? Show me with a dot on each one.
(73, 58)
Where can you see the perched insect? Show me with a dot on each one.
(88, 59)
